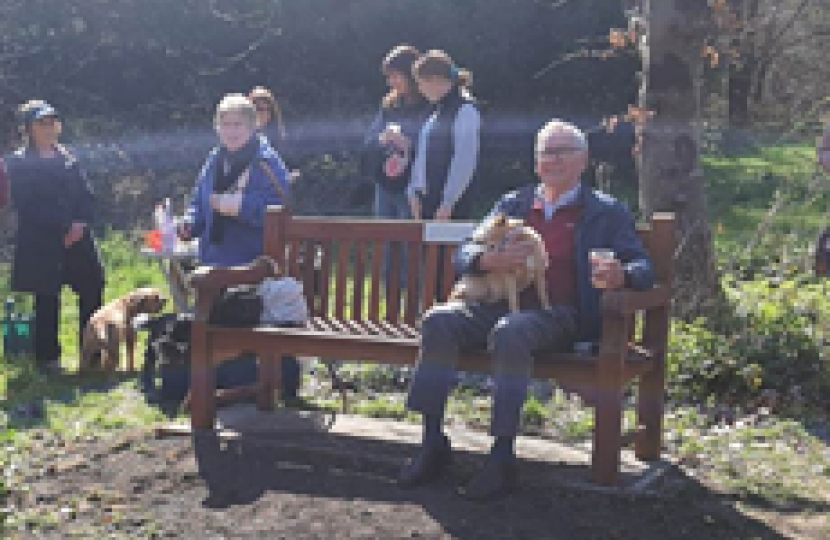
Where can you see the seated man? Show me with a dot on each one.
(572, 220)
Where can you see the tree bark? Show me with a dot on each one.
(739, 104)
(671, 178)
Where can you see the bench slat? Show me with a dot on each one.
(393, 287)
(413, 283)
(326, 255)
(358, 280)
(341, 283)
(294, 259)
(375, 280)
(430, 275)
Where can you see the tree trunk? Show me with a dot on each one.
(739, 104)
(671, 178)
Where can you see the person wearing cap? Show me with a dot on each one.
(54, 244)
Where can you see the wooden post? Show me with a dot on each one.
(269, 377)
(605, 458)
(648, 439)
(202, 378)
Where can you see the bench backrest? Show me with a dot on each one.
(341, 264)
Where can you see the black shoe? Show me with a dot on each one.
(428, 466)
(495, 480)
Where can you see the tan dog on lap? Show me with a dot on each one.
(496, 234)
(113, 324)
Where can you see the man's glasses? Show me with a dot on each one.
(551, 153)
(262, 107)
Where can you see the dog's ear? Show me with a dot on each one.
(486, 228)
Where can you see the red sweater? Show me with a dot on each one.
(559, 234)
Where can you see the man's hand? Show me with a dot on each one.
(444, 213)
(395, 138)
(610, 273)
(514, 255)
(214, 201)
(76, 232)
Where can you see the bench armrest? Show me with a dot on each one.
(209, 281)
(626, 302)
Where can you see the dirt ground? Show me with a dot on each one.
(205, 486)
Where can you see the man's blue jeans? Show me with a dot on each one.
(451, 329)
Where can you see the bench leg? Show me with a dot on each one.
(202, 380)
(648, 440)
(605, 458)
(269, 379)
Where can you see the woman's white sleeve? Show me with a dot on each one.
(465, 156)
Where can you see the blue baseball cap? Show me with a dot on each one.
(43, 110)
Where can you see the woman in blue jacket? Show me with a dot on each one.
(239, 180)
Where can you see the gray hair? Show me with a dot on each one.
(235, 103)
(560, 126)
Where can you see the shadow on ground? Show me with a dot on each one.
(352, 493)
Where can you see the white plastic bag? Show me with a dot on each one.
(283, 302)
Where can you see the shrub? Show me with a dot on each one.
(772, 349)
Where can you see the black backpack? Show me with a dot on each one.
(237, 307)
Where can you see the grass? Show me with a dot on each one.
(742, 191)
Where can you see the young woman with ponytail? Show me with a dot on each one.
(448, 143)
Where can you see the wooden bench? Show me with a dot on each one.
(350, 320)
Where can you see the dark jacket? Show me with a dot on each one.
(440, 150)
(603, 223)
(50, 194)
(244, 238)
(411, 118)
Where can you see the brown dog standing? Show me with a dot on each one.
(113, 324)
